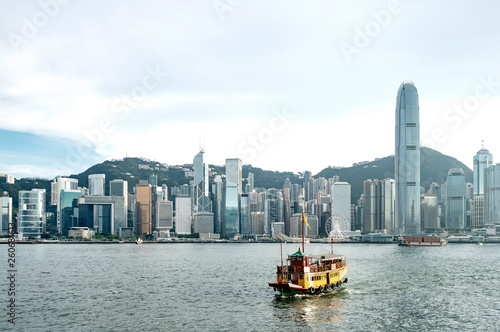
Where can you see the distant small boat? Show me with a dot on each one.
(479, 243)
(138, 241)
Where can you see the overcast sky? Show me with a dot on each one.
(282, 84)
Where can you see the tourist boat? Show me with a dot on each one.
(310, 274)
(138, 241)
(422, 241)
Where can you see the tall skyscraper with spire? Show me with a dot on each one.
(202, 200)
(482, 160)
(407, 160)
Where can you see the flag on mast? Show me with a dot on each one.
(305, 221)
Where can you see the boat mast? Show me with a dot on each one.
(303, 237)
(281, 247)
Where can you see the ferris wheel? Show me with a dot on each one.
(337, 226)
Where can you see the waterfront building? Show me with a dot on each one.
(341, 200)
(231, 222)
(183, 215)
(31, 220)
(492, 195)
(245, 226)
(331, 182)
(482, 160)
(203, 222)
(429, 212)
(201, 185)
(6, 205)
(68, 218)
(82, 232)
(477, 212)
(144, 209)
(407, 161)
(257, 220)
(378, 206)
(164, 216)
(103, 214)
(217, 203)
(455, 199)
(61, 184)
(96, 184)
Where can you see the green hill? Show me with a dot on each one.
(434, 167)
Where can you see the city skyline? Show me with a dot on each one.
(248, 92)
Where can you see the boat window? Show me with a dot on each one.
(301, 276)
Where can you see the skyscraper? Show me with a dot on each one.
(31, 215)
(96, 184)
(202, 201)
(217, 200)
(407, 160)
(455, 199)
(231, 220)
(61, 184)
(492, 195)
(144, 209)
(482, 160)
(341, 200)
(6, 206)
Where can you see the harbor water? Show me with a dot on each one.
(223, 287)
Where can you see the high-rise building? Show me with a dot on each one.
(6, 205)
(378, 202)
(31, 213)
(482, 160)
(144, 209)
(455, 199)
(96, 184)
(118, 187)
(477, 211)
(61, 184)
(231, 222)
(68, 218)
(183, 214)
(203, 222)
(164, 217)
(429, 212)
(273, 208)
(287, 211)
(492, 195)
(201, 184)
(245, 226)
(407, 160)
(153, 180)
(257, 220)
(251, 181)
(103, 214)
(341, 200)
(217, 200)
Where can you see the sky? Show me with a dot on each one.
(285, 85)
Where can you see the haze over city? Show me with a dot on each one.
(285, 85)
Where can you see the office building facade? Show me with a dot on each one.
(407, 160)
